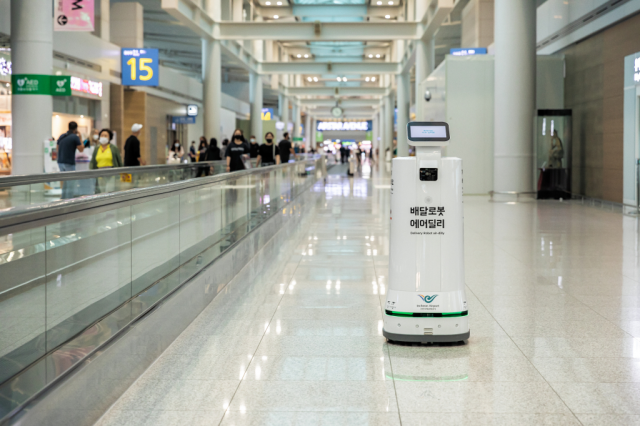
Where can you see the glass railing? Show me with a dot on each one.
(30, 190)
(68, 264)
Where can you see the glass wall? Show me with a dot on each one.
(59, 279)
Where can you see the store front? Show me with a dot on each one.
(83, 107)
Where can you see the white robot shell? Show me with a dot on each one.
(426, 300)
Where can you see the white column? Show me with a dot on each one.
(388, 121)
(381, 121)
(236, 10)
(307, 131)
(403, 99)
(515, 90)
(374, 133)
(312, 131)
(284, 111)
(424, 67)
(31, 53)
(296, 119)
(212, 88)
(255, 98)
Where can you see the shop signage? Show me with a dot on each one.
(5, 67)
(86, 86)
(636, 70)
(342, 126)
(60, 85)
(183, 120)
(267, 114)
(192, 110)
(298, 139)
(468, 51)
(74, 15)
(140, 67)
(31, 84)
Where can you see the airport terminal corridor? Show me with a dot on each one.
(553, 299)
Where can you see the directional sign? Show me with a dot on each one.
(74, 15)
(140, 67)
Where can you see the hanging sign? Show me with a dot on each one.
(468, 51)
(60, 85)
(140, 67)
(183, 119)
(30, 84)
(86, 86)
(74, 15)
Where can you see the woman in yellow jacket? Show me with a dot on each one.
(105, 156)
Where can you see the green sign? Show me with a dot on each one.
(30, 84)
(297, 139)
(61, 85)
(319, 136)
(39, 84)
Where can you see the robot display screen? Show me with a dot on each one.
(429, 132)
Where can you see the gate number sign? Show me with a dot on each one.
(140, 67)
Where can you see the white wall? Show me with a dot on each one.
(462, 95)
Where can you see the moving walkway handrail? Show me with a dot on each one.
(25, 216)
(17, 180)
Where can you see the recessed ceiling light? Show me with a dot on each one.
(379, 3)
(366, 79)
(306, 55)
(391, 3)
(378, 55)
(371, 55)
(373, 79)
(387, 16)
(299, 55)
(344, 78)
(309, 79)
(315, 78)
(275, 16)
(268, 3)
(279, 3)
(339, 79)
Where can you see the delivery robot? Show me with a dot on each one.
(426, 299)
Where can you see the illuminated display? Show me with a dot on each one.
(324, 126)
(86, 86)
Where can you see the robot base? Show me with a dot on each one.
(417, 338)
(425, 329)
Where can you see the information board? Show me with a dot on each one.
(140, 67)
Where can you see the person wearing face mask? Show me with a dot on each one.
(235, 151)
(269, 153)
(106, 154)
(92, 139)
(175, 153)
(254, 147)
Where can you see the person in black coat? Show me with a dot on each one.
(212, 154)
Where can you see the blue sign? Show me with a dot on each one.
(183, 120)
(140, 67)
(468, 51)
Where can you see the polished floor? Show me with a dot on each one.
(554, 301)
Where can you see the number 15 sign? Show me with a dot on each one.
(140, 67)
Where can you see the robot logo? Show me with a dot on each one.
(428, 299)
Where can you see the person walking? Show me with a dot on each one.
(286, 149)
(132, 156)
(235, 152)
(105, 156)
(223, 150)
(92, 139)
(67, 145)
(175, 153)
(254, 147)
(192, 152)
(269, 153)
(212, 153)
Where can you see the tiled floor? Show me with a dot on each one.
(554, 303)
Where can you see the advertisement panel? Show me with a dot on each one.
(140, 67)
(74, 15)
